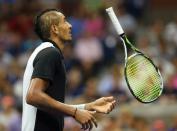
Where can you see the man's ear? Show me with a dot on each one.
(54, 29)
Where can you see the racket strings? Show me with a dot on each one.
(143, 78)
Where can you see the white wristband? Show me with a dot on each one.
(80, 106)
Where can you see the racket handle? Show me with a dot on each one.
(115, 20)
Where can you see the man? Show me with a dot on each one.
(45, 79)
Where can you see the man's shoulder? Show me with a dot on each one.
(48, 53)
(44, 52)
(46, 49)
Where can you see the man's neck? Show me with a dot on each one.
(59, 43)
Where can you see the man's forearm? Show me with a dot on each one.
(44, 102)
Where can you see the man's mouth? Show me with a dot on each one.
(70, 32)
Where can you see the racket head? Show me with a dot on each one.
(143, 78)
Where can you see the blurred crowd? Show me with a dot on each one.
(94, 60)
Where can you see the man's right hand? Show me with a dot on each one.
(86, 118)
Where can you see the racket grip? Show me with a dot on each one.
(115, 20)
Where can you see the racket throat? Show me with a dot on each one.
(127, 42)
(125, 50)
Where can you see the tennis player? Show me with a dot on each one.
(45, 80)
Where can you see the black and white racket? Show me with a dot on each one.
(141, 74)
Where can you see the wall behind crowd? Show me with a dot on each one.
(94, 59)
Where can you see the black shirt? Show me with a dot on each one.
(49, 65)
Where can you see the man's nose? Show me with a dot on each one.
(70, 26)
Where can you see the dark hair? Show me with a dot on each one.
(38, 25)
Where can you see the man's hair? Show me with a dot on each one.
(43, 22)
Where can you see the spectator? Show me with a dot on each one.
(9, 117)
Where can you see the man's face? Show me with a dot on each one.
(64, 29)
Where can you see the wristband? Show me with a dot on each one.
(80, 106)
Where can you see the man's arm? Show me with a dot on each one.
(37, 97)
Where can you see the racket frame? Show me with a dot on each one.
(138, 52)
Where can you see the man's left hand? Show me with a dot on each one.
(102, 105)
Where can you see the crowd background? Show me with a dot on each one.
(94, 59)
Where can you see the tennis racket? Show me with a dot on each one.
(141, 74)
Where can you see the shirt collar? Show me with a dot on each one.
(55, 45)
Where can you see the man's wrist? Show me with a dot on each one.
(80, 106)
(89, 106)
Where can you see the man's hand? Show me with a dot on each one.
(102, 105)
(85, 118)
